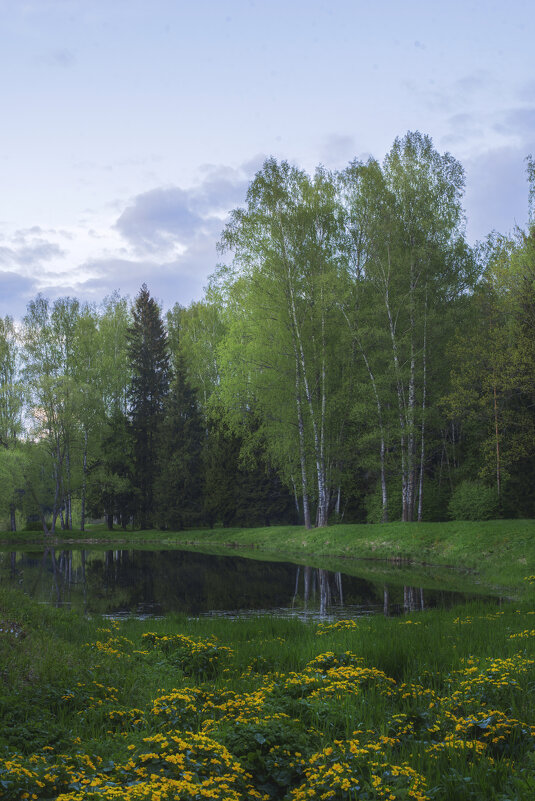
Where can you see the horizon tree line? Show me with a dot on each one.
(353, 360)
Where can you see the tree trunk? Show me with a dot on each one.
(296, 498)
(40, 510)
(422, 439)
(322, 517)
(302, 453)
(58, 463)
(84, 483)
(411, 402)
(497, 434)
(68, 502)
(382, 448)
(12, 517)
(401, 409)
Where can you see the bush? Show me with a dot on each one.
(33, 525)
(473, 500)
(374, 503)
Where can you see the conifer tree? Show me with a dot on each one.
(180, 478)
(149, 359)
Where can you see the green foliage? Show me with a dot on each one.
(149, 362)
(195, 657)
(322, 369)
(179, 483)
(374, 503)
(112, 490)
(473, 500)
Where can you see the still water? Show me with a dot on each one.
(155, 583)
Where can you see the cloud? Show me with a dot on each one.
(15, 292)
(166, 220)
(27, 255)
(519, 122)
(497, 191)
(159, 219)
(221, 189)
(527, 92)
(465, 129)
(478, 89)
(336, 150)
(181, 280)
(165, 237)
(476, 81)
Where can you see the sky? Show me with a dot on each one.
(130, 128)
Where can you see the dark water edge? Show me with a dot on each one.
(156, 583)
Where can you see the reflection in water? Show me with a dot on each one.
(329, 588)
(161, 582)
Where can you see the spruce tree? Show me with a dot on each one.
(149, 359)
(179, 485)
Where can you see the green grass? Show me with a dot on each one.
(501, 551)
(433, 705)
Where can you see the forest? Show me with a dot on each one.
(353, 359)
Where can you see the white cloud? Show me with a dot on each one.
(165, 237)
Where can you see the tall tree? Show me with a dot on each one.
(10, 388)
(179, 484)
(492, 396)
(195, 334)
(409, 262)
(48, 354)
(149, 359)
(10, 419)
(281, 352)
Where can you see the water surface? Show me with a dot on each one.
(155, 583)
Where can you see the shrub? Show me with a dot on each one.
(473, 500)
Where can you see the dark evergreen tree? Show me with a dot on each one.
(261, 499)
(179, 485)
(111, 491)
(220, 462)
(149, 358)
(241, 488)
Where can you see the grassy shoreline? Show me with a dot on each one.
(502, 552)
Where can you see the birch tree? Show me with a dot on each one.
(48, 356)
(280, 352)
(408, 261)
(10, 420)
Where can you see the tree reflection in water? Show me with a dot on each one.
(162, 582)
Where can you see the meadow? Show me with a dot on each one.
(431, 705)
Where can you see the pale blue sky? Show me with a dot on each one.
(128, 128)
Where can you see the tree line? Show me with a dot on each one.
(353, 359)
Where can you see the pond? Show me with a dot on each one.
(161, 582)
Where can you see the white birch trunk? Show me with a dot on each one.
(320, 466)
(422, 439)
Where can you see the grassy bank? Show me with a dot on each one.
(501, 551)
(435, 705)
